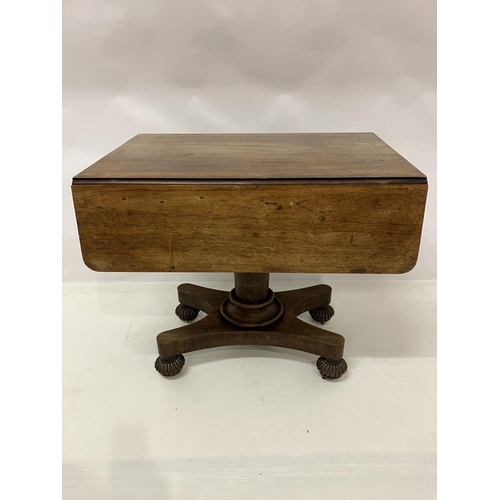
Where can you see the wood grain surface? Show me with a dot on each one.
(249, 157)
(289, 332)
(338, 228)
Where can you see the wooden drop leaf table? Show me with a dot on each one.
(251, 204)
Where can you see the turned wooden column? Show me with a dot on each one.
(251, 303)
(251, 288)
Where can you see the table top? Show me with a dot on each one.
(213, 158)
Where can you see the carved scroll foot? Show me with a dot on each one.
(331, 369)
(322, 314)
(186, 313)
(169, 367)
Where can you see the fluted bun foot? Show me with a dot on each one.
(169, 367)
(186, 313)
(331, 369)
(322, 314)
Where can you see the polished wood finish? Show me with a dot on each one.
(251, 288)
(248, 157)
(288, 331)
(251, 204)
(340, 228)
(251, 303)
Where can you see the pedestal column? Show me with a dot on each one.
(251, 303)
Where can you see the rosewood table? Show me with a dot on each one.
(251, 204)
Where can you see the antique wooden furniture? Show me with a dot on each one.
(251, 204)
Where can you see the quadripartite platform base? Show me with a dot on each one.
(252, 314)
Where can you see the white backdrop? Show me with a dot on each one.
(209, 66)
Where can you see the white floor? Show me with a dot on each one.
(249, 422)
